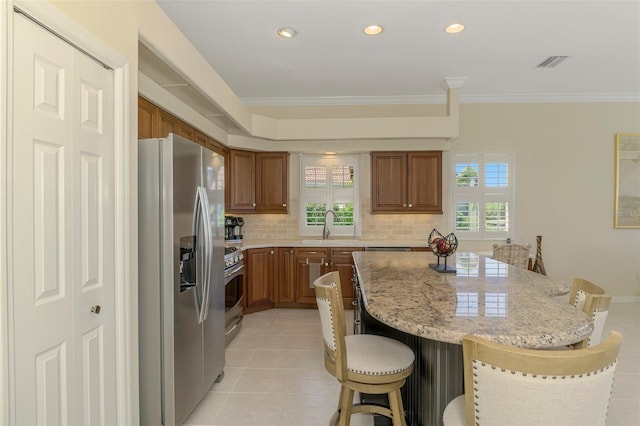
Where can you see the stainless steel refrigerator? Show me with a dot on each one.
(181, 283)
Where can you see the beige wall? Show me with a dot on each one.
(564, 155)
(564, 162)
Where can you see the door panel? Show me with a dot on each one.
(213, 341)
(242, 182)
(63, 229)
(388, 181)
(94, 243)
(50, 385)
(272, 184)
(187, 364)
(41, 210)
(259, 276)
(425, 181)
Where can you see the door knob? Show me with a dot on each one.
(96, 309)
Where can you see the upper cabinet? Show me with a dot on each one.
(242, 181)
(272, 183)
(148, 116)
(258, 182)
(154, 122)
(406, 182)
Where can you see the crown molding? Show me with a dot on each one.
(440, 99)
(345, 100)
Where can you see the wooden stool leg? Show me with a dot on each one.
(346, 405)
(397, 410)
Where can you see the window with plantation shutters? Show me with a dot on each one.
(329, 183)
(482, 191)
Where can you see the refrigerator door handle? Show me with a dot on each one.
(198, 217)
(206, 215)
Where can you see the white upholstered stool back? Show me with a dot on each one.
(363, 362)
(505, 385)
(594, 301)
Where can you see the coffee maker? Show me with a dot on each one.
(233, 228)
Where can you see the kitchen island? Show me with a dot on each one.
(403, 298)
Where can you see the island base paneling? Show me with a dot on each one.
(437, 376)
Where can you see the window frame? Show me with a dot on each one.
(329, 197)
(483, 194)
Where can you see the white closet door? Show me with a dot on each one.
(63, 233)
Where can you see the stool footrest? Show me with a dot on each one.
(363, 408)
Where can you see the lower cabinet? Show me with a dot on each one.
(284, 276)
(285, 289)
(311, 263)
(342, 261)
(259, 279)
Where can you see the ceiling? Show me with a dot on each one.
(331, 69)
(331, 61)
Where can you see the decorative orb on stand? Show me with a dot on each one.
(442, 247)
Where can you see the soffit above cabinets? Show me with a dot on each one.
(158, 78)
(171, 81)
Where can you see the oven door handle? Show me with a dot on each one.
(229, 275)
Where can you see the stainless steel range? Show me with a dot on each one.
(233, 275)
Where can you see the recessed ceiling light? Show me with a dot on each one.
(329, 153)
(372, 30)
(454, 28)
(287, 32)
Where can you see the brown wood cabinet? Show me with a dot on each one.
(186, 131)
(148, 116)
(342, 261)
(311, 263)
(154, 122)
(258, 182)
(283, 277)
(272, 184)
(242, 181)
(168, 124)
(406, 182)
(259, 279)
(285, 284)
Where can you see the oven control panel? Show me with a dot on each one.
(232, 257)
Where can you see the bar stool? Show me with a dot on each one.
(594, 301)
(364, 362)
(513, 254)
(506, 385)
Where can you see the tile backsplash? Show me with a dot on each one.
(388, 227)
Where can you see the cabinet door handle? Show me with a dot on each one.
(345, 252)
(404, 205)
(284, 205)
(271, 252)
(312, 252)
(410, 205)
(254, 204)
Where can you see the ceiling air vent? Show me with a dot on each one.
(551, 61)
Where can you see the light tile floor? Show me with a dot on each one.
(274, 374)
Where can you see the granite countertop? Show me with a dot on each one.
(484, 297)
(332, 242)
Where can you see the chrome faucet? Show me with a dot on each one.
(325, 229)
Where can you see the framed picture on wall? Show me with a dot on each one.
(626, 213)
